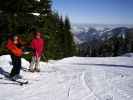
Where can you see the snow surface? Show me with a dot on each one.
(74, 78)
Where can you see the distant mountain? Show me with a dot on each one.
(86, 36)
(86, 33)
(116, 32)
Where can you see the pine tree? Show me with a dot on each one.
(18, 14)
(129, 40)
(70, 48)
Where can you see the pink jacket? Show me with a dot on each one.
(38, 46)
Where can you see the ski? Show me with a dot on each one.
(21, 82)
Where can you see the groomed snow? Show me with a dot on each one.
(74, 78)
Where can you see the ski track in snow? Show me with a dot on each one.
(74, 78)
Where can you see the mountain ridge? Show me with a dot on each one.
(85, 33)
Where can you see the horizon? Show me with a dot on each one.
(99, 24)
(96, 12)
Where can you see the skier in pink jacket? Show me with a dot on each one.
(38, 46)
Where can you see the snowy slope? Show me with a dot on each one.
(73, 78)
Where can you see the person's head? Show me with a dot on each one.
(15, 39)
(37, 35)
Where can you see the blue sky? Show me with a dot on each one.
(96, 11)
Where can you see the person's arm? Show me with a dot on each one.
(42, 47)
(33, 47)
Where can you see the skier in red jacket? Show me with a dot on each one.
(14, 47)
(37, 44)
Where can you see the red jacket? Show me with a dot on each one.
(38, 46)
(14, 49)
